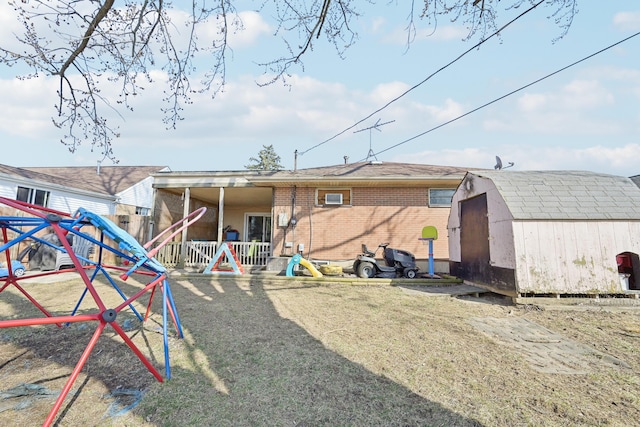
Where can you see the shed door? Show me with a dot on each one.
(474, 239)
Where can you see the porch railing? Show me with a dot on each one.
(199, 254)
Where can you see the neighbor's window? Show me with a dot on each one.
(142, 211)
(333, 197)
(440, 197)
(33, 196)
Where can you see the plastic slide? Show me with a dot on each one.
(297, 259)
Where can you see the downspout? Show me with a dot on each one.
(185, 213)
(220, 215)
(293, 220)
(152, 215)
(310, 203)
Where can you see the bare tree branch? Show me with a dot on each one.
(88, 44)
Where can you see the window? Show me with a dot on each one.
(257, 227)
(142, 211)
(33, 196)
(440, 197)
(334, 196)
(333, 199)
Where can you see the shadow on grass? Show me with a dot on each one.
(44, 356)
(240, 364)
(243, 364)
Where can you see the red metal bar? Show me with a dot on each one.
(30, 298)
(139, 293)
(146, 314)
(135, 349)
(60, 232)
(49, 320)
(74, 374)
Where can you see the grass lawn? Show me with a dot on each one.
(265, 352)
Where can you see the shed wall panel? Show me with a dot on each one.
(572, 256)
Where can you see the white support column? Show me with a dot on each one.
(185, 212)
(220, 215)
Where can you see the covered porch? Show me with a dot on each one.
(238, 213)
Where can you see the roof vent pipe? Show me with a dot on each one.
(346, 160)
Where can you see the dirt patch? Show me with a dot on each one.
(287, 352)
(547, 351)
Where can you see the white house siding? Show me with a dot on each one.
(8, 190)
(61, 200)
(70, 203)
(141, 194)
(572, 256)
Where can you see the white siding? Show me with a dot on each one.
(63, 201)
(141, 194)
(8, 189)
(572, 256)
(71, 202)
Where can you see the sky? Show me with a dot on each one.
(585, 117)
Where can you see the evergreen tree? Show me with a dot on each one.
(267, 160)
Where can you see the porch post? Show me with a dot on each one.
(220, 215)
(185, 212)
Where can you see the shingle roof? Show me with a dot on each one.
(566, 195)
(381, 169)
(364, 172)
(30, 174)
(111, 180)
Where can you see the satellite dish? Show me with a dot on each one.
(499, 166)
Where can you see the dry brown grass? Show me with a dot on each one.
(307, 353)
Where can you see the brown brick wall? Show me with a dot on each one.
(394, 215)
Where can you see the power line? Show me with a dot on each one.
(508, 94)
(477, 45)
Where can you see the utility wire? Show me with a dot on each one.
(477, 45)
(507, 95)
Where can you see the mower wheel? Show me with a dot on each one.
(410, 273)
(365, 270)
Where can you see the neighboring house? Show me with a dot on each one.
(122, 193)
(109, 190)
(545, 232)
(325, 213)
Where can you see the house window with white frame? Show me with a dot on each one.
(440, 197)
(333, 197)
(33, 196)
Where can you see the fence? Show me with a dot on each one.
(199, 254)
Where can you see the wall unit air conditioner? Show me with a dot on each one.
(333, 199)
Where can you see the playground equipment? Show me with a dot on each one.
(140, 258)
(232, 258)
(297, 259)
(429, 234)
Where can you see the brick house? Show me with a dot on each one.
(325, 213)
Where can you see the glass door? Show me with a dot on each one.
(257, 227)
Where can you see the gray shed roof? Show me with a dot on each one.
(566, 195)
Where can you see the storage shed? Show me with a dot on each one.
(546, 232)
